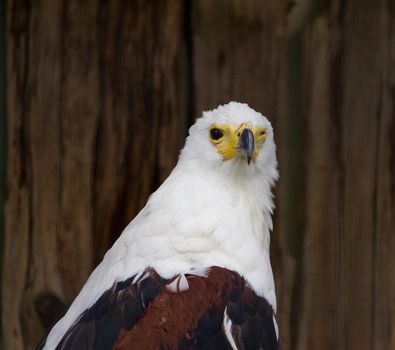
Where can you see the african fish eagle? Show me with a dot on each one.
(192, 270)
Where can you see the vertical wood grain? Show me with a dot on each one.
(383, 301)
(93, 127)
(137, 146)
(347, 301)
(237, 53)
(32, 207)
(2, 138)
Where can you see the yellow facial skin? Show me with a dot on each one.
(227, 145)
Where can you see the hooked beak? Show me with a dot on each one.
(246, 144)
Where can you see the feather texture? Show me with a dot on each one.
(217, 311)
(208, 212)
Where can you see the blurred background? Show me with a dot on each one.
(96, 98)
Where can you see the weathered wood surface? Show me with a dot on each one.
(93, 121)
(237, 49)
(347, 294)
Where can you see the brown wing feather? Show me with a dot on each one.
(194, 318)
(147, 315)
(174, 317)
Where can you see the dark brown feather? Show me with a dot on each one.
(146, 315)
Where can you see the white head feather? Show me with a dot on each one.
(208, 212)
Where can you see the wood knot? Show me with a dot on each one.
(49, 308)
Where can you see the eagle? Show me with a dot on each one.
(192, 270)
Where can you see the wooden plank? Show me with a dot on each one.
(347, 278)
(32, 50)
(93, 126)
(383, 302)
(2, 137)
(237, 53)
(136, 148)
(321, 255)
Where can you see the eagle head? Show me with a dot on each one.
(233, 137)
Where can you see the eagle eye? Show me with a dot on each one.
(216, 134)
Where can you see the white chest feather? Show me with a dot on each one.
(188, 223)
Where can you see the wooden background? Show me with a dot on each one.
(99, 97)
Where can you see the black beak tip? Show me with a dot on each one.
(246, 143)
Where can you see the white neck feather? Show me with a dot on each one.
(218, 216)
(199, 217)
